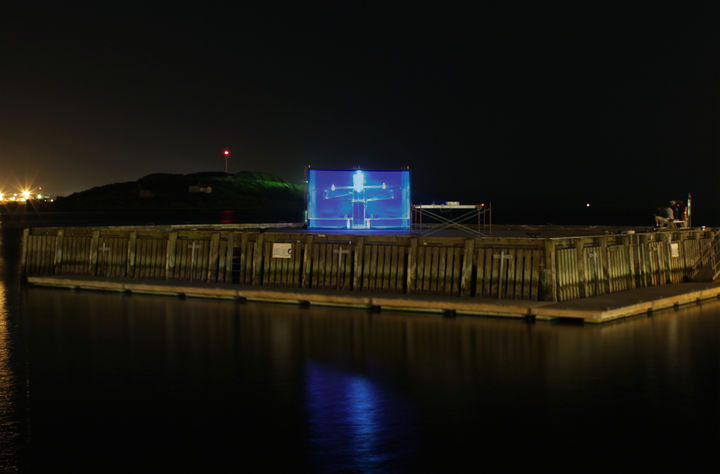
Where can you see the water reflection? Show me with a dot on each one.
(353, 420)
(9, 430)
(325, 389)
(12, 392)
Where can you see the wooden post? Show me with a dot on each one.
(170, 255)
(412, 265)
(605, 258)
(668, 256)
(580, 255)
(683, 248)
(243, 277)
(358, 264)
(229, 257)
(631, 260)
(212, 270)
(57, 261)
(24, 251)
(501, 257)
(549, 277)
(94, 243)
(132, 246)
(658, 278)
(467, 268)
(270, 270)
(640, 261)
(307, 260)
(561, 287)
(342, 264)
(258, 260)
(385, 268)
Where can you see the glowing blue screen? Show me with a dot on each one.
(358, 199)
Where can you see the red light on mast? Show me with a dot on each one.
(226, 152)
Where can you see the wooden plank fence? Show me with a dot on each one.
(590, 266)
(515, 268)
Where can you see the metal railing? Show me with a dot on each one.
(462, 220)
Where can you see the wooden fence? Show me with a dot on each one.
(590, 266)
(518, 268)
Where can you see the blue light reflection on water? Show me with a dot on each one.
(353, 420)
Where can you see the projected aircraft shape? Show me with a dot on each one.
(360, 194)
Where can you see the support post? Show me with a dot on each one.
(212, 270)
(245, 277)
(57, 261)
(170, 256)
(307, 261)
(132, 247)
(258, 260)
(631, 260)
(643, 261)
(412, 266)
(549, 277)
(668, 257)
(358, 264)
(24, 251)
(229, 257)
(94, 243)
(465, 289)
(605, 259)
(580, 256)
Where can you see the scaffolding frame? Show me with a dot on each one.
(483, 213)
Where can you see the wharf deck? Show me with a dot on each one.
(596, 309)
(534, 267)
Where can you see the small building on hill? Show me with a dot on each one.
(200, 188)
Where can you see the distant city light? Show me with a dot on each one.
(587, 205)
(26, 195)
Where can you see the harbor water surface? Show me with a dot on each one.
(102, 382)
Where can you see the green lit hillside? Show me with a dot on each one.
(245, 190)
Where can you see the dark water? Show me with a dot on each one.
(107, 382)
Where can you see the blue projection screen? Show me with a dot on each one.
(358, 199)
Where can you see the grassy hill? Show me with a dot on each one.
(246, 190)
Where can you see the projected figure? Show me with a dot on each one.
(360, 194)
(358, 199)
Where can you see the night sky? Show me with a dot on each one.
(512, 103)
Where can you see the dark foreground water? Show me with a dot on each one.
(107, 382)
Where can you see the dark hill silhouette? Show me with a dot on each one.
(251, 191)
